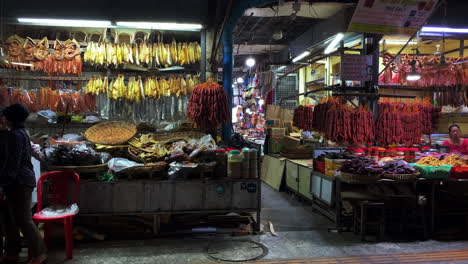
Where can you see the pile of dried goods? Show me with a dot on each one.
(398, 167)
(361, 166)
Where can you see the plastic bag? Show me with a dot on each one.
(55, 211)
(118, 164)
(71, 138)
(180, 170)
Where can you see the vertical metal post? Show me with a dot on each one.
(203, 56)
(343, 81)
(228, 46)
(461, 51)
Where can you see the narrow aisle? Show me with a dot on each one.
(287, 213)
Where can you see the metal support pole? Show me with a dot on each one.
(227, 78)
(203, 56)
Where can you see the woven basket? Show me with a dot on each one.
(110, 133)
(80, 169)
(166, 137)
(401, 177)
(132, 152)
(359, 178)
(148, 168)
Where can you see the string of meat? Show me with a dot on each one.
(65, 58)
(303, 117)
(208, 106)
(342, 123)
(48, 99)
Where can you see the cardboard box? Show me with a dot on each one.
(276, 132)
(275, 123)
(275, 143)
(291, 142)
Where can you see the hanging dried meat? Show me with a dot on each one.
(65, 58)
(208, 106)
(303, 117)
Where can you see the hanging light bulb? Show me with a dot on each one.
(240, 80)
(250, 62)
(413, 75)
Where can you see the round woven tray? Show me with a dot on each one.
(110, 133)
(401, 177)
(148, 168)
(173, 136)
(359, 178)
(79, 169)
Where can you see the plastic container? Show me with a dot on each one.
(245, 163)
(359, 152)
(253, 163)
(459, 173)
(234, 164)
(425, 149)
(319, 166)
(221, 163)
(433, 172)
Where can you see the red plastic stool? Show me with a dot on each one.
(58, 182)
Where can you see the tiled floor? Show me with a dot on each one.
(301, 235)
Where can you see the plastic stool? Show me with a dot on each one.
(362, 221)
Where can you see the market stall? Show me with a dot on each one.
(131, 112)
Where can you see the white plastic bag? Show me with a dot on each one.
(55, 211)
(118, 164)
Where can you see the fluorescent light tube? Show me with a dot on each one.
(300, 57)
(413, 76)
(444, 29)
(281, 68)
(321, 62)
(334, 42)
(398, 42)
(22, 64)
(64, 22)
(161, 26)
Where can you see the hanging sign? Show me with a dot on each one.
(391, 17)
(356, 67)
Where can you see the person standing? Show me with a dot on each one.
(456, 143)
(18, 181)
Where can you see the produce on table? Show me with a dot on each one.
(454, 160)
(303, 117)
(335, 155)
(429, 161)
(361, 166)
(208, 106)
(148, 148)
(74, 155)
(398, 167)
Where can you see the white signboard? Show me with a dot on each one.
(391, 17)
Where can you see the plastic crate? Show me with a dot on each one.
(319, 166)
(459, 173)
(434, 172)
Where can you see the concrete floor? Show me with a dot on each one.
(301, 234)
